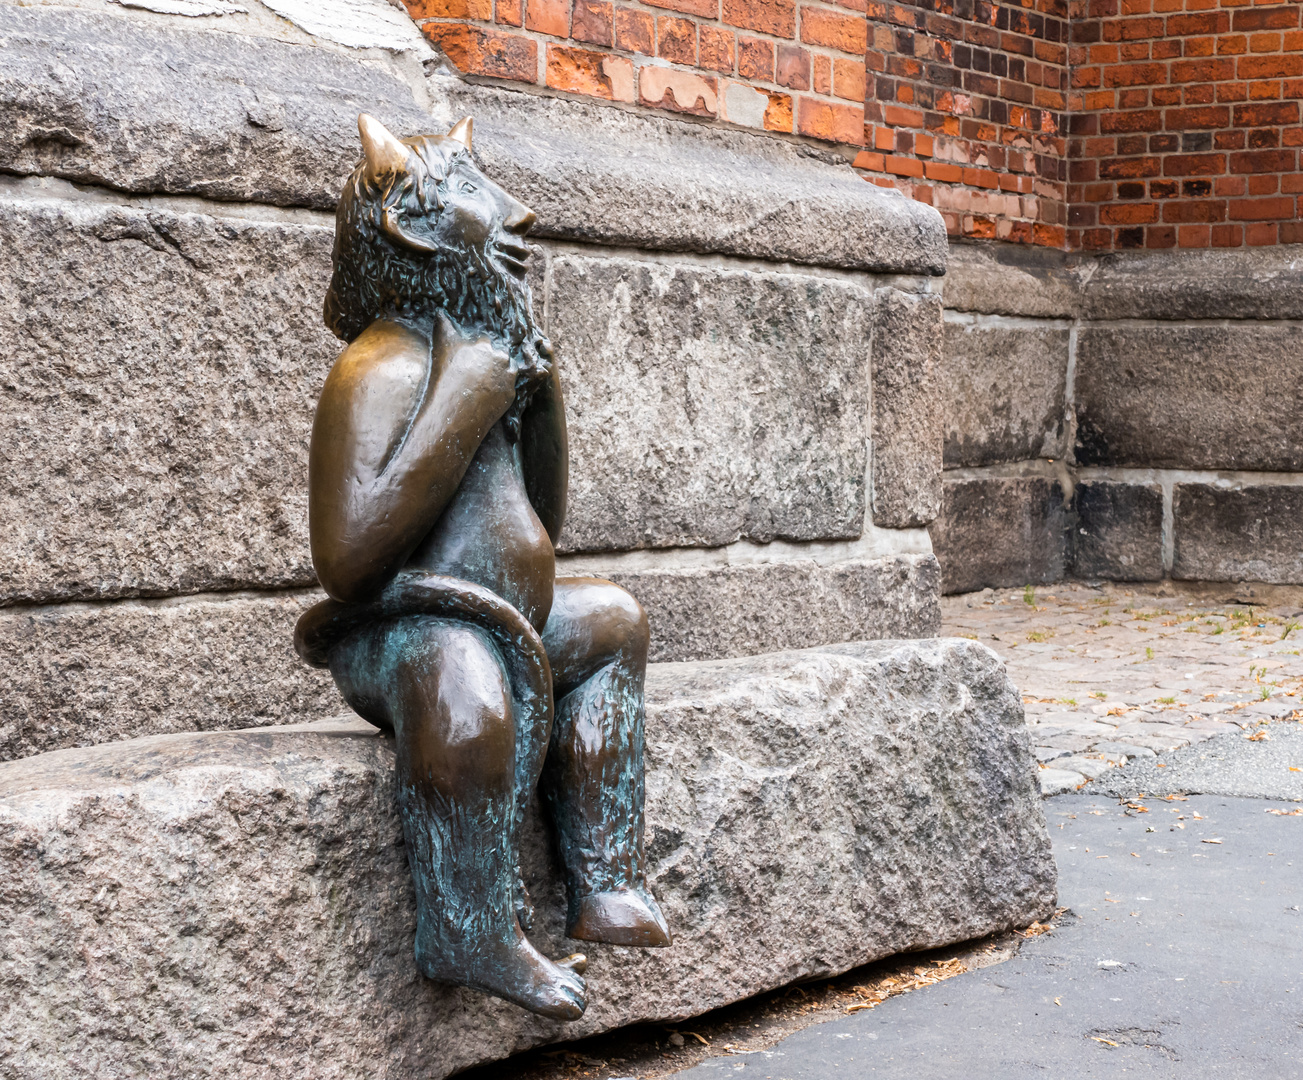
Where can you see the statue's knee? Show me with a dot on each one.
(456, 706)
(626, 621)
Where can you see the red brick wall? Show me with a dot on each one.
(1185, 126)
(965, 110)
(773, 64)
(1086, 124)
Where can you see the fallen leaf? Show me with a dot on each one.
(1258, 736)
(1106, 1042)
(1286, 813)
(1106, 899)
(1210, 841)
(1134, 855)
(862, 1005)
(700, 1039)
(1058, 1002)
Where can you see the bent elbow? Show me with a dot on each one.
(349, 577)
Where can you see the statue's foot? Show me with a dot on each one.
(516, 972)
(627, 916)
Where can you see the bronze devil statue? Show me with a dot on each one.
(437, 476)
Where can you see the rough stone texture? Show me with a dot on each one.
(77, 674)
(1252, 283)
(1118, 534)
(907, 431)
(160, 373)
(709, 404)
(998, 532)
(1012, 279)
(154, 105)
(745, 610)
(237, 904)
(1190, 396)
(1002, 391)
(1248, 533)
(596, 173)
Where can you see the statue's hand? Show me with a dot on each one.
(485, 371)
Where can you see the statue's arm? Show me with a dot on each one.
(396, 428)
(545, 454)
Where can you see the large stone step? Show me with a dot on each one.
(238, 904)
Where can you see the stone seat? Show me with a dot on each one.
(238, 904)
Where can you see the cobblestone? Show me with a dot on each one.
(1109, 673)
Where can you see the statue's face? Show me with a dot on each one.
(476, 215)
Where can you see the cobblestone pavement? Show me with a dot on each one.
(1111, 673)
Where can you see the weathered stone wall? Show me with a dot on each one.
(747, 335)
(1130, 417)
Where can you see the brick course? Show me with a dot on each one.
(779, 65)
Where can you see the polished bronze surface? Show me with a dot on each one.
(437, 475)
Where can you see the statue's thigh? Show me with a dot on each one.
(592, 622)
(438, 684)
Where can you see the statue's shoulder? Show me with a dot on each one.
(384, 351)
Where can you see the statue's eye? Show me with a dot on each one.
(468, 188)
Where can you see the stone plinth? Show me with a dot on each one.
(238, 904)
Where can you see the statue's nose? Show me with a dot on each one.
(520, 218)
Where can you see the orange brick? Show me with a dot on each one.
(898, 117)
(590, 20)
(943, 171)
(511, 12)
(866, 160)
(794, 68)
(884, 139)
(1260, 235)
(548, 17)
(823, 77)
(903, 166)
(706, 8)
(676, 40)
(776, 17)
(778, 114)
(634, 30)
(486, 52)
(833, 30)
(451, 9)
(718, 49)
(1194, 236)
(830, 121)
(755, 58)
(582, 71)
(848, 79)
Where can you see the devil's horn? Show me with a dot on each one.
(461, 131)
(385, 155)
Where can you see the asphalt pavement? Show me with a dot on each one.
(1181, 954)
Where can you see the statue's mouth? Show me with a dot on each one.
(514, 255)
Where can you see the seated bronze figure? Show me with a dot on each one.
(437, 475)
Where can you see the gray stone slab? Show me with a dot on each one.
(77, 674)
(710, 404)
(1000, 532)
(1238, 533)
(81, 674)
(143, 104)
(907, 439)
(1012, 279)
(597, 173)
(238, 904)
(745, 610)
(158, 377)
(1118, 534)
(1248, 283)
(1002, 391)
(1190, 396)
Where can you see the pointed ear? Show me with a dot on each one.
(385, 155)
(461, 131)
